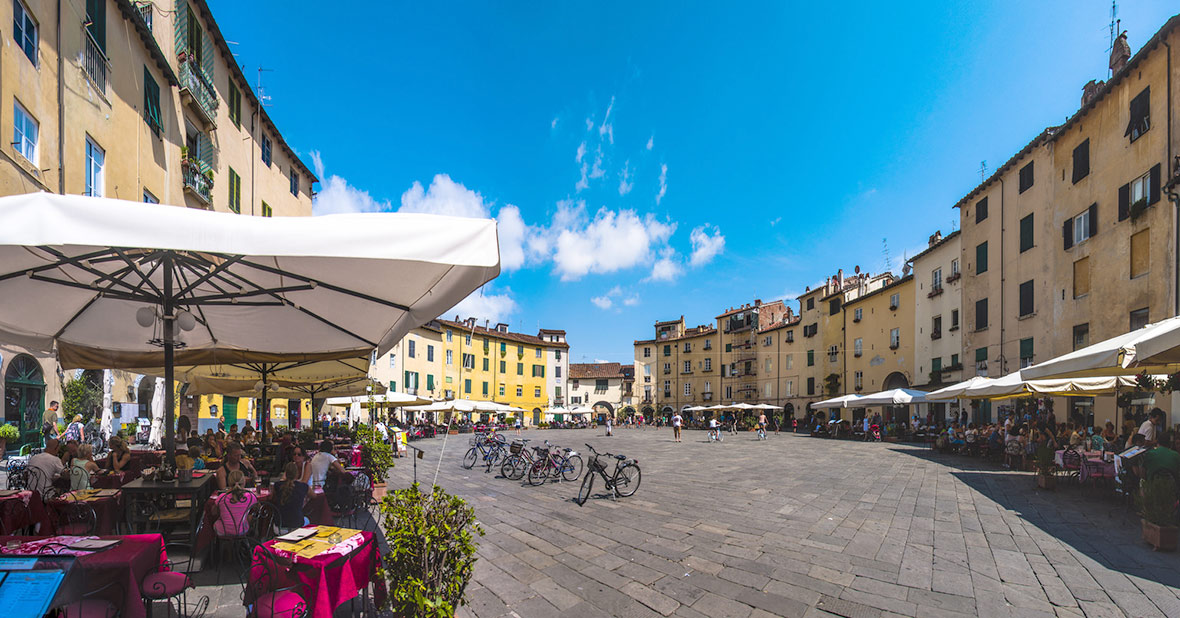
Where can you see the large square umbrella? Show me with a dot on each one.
(893, 397)
(1155, 348)
(108, 282)
(842, 401)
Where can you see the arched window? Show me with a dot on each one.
(24, 397)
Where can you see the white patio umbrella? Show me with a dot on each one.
(955, 391)
(156, 435)
(108, 413)
(1003, 386)
(108, 282)
(1155, 349)
(842, 401)
(766, 406)
(893, 397)
(389, 398)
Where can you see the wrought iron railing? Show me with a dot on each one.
(194, 80)
(96, 64)
(196, 180)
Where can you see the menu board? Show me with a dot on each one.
(27, 593)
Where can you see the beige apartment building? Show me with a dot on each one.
(605, 387)
(881, 339)
(683, 365)
(744, 370)
(136, 101)
(778, 351)
(1070, 241)
(414, 365)
(937, 329)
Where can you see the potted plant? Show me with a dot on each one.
(1046, 468)
(8, 433)
(1157, 507)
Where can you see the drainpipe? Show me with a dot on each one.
(1172, 195)
(61, 110)
(1003, 359)
(253, 126)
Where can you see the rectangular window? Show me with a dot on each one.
(1081, 277)
(954, 360)
(24, 30)
(981, 362)
(537, 353)
(954, 319)
(857, 314)
(936, 327)
(1026, 352)
(936, 279)
(469, 361)
(954, 267)
(430, 354)
(810, 387)
(1141, 191)
(195, 38)
(538, 371)
(1026, 298)
(858, 346)
(95, 161)
(687, 367)
(894, 301)
(687, 389)
(411, 349)
(519, 391)
(981, 210)
(485, 364)
(96, 22)
(936, 364)
(485, 389)
(450, 357)
(450, 336)
(503, 366)
(1026, 177)
(728, 347)
(557, 371)
(1081, 336)
(895, 338)
(537, 392)
(858, 379)
(834, 306)
(1026, 233)
(501, 390)
(1140, 120)
(266, 210)
(668, 350)
(148, 198)
(266, 150)
(981, 258)
(1081, 227)
(833, 353)
(430, 382)
(392, 361)
(151, 102)
(235, 191)
(1081, 161)
(467, 339)
(981, 314)
(24, 132)
(557, 354)
(789, 388)
(234, 103)
(790, 361)
(811, 358)
(768, 341)
(294, 183)
(519, 369)
(467, 386)
(1140, 253)
(1139, 318)
(503, 348)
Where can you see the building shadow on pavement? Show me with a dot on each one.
(1093, 521)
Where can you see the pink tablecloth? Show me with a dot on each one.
(20, 518)
(327, 587)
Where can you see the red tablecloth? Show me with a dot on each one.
(107, 511)
(128, 563)
(328, 587)
(109, 480)
(35, 512)
(316, 510)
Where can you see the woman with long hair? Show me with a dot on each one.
(233, 505)
(119, 457)
(290, 494)
(82, 467)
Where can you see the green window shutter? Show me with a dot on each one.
(1026, 348)
(406, 378)
(980, 355)
(180, 35)
(936, 364)
(430, 382)
(96, 16)
(235, 191)
(729, 347)
(810, 357)
(981, 258)
(151, 101)
(393, 385)
(954, 359)
(485, 388)
(235, 104)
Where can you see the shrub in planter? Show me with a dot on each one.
(1157, 507)
(8, 433)
(376, 454)
(1046, 468)
(431, 551)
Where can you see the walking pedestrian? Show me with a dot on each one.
(519, 427)
(676, 426)
(608, 433)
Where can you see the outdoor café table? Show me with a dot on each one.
(126, 563)
(1090, 461)
(17, 519)
(108, 507)
(316, 510)
(331, 578)
(197, 491)
(105, 479)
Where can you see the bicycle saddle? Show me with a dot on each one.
(620, 457)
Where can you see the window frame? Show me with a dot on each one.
(33, 52)
(93, 178)
(1081, 161)
(151, 103)
(1027, 232)
(1026, 287)
(267, 150)
(19, 142)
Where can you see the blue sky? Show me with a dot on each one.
(648, 160)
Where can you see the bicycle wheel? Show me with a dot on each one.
(520, 467)
(508, 466)
(572, 468)
(538, 472)
(470, 458)
(627, 480)
(584, 491)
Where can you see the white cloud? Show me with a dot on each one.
(631, 300)
(602, 302)
(775, 221)
(483, 305)
(668, 267)
(443, 197)
(596, 171)
(663, 182)
(553, 125)
(651, 141)
(611, 241)
(336, 196)
(581, 152)
(705, 246)
(625, 186)
(513, 234)
(589, 124)
(606, 129)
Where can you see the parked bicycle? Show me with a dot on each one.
(624, 481)
(556, 462)
(519, 460)
(488, 448)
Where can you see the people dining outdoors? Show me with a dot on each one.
(119, 457)
(233, 505)
(212, 445)
(323, 463)
(82, 467)
(194, 453)
(1151, 427)
(45, 466)
(69, 450)
(290, 495)
(234, 462)
(1162, 457)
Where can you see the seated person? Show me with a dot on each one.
(290, 495)
(82, 467)
(323, 463)
(234, 462)
(193, 439)
(45, 466)
(232, 507)
(1161, 457)
(119, 457)
(194, 453)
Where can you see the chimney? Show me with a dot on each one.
(1090, 89)
(1119, 54)
(935, 238)
(839, 279)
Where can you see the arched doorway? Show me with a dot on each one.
(24, 398)
(894, 380)
(648, 412)
(536, 416)
(603, 410)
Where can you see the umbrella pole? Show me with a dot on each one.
(169, 370)
(264, 412)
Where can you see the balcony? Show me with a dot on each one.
(895, 345)
(197, 182)
(936, 334)
(743, 356)
(96, 64)
(954, 328)
(747, 374)
(857, 354)
(934, 292)
(954, 277)
(197, 92)
(687, 372)
(893, 307)
(707, 396)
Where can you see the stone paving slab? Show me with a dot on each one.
(798, 526)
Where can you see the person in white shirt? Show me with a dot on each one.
(676, 419)
(1149, 428)
(323, 463)
(713, 430)
(44, 467)
(608, 433)
(382, 430)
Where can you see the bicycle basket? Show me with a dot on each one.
(515, 448)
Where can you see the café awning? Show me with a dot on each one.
(893, 397)
(1153, 349)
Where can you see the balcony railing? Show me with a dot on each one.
(707, 396)
(936, 334)
(198, 92)
(954, 277)
(96, 64)
(934, 292)
(196, 182)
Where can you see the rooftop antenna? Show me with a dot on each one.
(885, 252)
(235, 44)
(1115, 23)
(262, 96)
(983, 171)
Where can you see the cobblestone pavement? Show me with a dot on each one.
(797, 526)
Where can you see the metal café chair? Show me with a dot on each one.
(15, 517)
(96, 603)
(72, 517)
(269, 592)
(169, 584)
